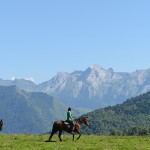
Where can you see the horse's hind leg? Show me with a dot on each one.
(59, 135)
(51, 136)
(53, 132)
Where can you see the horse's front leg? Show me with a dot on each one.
(79, 134)
(73, 136)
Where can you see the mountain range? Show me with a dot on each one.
(92, 88)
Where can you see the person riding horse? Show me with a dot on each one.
(70, 119)
(61, 126)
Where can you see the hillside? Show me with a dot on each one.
(133, 112)
(24, 112)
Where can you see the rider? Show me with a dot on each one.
(70, 118)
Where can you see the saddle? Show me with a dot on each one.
(66, 123)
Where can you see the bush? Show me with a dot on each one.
(115, 133)
(138, 131)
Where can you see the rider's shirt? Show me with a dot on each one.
(69, 116)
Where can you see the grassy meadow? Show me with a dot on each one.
(86, 142)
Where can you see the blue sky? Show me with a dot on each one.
(40, 38)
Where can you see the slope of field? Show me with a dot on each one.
(37, 142)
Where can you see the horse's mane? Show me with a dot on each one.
(80, 119)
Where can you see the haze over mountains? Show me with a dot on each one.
(93, 88)
(29, 108)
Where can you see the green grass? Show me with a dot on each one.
(91, 142)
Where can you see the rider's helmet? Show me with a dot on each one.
(69, 109)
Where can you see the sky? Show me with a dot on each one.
(38, 38)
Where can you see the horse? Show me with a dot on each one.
(1, 124)
(64, 126)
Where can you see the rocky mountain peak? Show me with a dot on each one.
(60, 77)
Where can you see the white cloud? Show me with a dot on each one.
(13, 78)
(27, 78)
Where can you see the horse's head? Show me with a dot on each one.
(86, 121)
(1, 124)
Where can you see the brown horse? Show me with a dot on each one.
(64, 126)
(1, 124)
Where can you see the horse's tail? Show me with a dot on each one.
(1, 124)
(54, 128)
